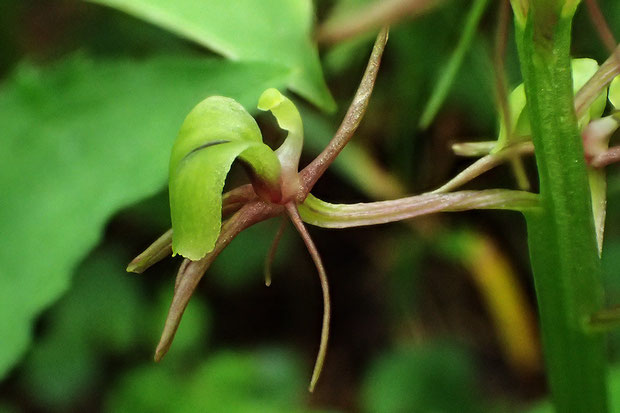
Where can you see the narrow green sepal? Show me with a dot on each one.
(157, 251)
(214, 134)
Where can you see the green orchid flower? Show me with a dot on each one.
(215, 133)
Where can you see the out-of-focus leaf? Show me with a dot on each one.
(81, 140)
(451, 69)
(105, 314)
(274, 31)
(7, 408)
(59, 372)
(497, 283)
(344, 8)
(266, 381)
(191, 339)
(9, 10)
(347, 54)
(407, 252)
(428, 379)
(355, 164)
(86, 325)
(151, 388)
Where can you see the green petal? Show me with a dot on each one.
(583, 70)
(614, 92)
(289, 152)
(214, 134)
(288, 118)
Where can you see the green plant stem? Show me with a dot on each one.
(562, 241)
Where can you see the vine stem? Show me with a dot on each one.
(561, 235)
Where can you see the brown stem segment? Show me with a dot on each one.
(377, 14)
(272, 251)
(600, 24)
(291, 209)
(232, 201)
(352, 119)
(191, 272)
(484, 164)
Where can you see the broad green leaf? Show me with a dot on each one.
(81, 140)
(215, 132)
(274, 31)
(82, 329)
(85, 328)
(265, 381)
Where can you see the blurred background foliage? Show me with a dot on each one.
(432, 315)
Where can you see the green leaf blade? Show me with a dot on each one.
(275, 31)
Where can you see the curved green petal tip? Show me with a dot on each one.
(213, 135)
(270, 98)
(283, 109)
(288, 119)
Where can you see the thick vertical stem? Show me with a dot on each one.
(562, 240)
